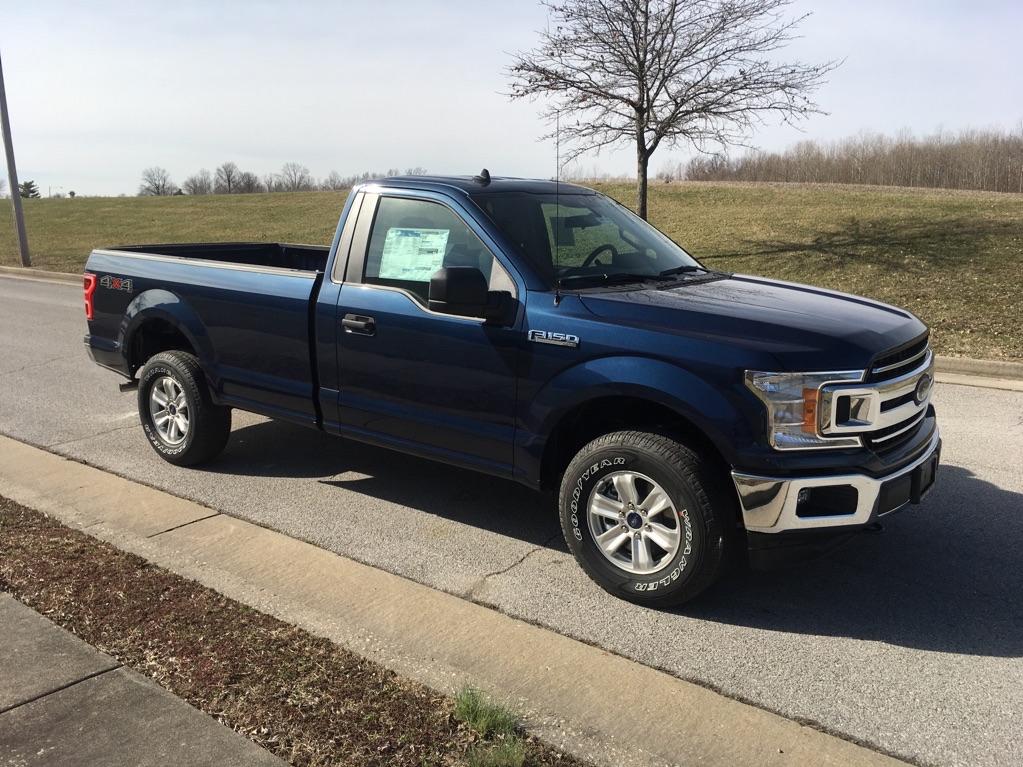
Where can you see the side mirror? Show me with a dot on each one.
(462, 291)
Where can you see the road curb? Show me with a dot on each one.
(582, 699)
(983, 368)
(31, 273)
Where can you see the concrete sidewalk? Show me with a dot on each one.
(64, 703)
(573, 695)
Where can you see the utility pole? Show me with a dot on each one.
(12, 174)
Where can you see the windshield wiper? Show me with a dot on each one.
(603, 278)
(685, 269)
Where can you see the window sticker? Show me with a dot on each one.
(413, 254)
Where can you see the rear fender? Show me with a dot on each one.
(163, 305)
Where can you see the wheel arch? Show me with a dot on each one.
(602, 414)
(622, 393)
(157, 321)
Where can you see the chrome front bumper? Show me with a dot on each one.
(769, 504)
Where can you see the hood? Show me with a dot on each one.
(805, 328)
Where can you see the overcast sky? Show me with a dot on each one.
(100, 90)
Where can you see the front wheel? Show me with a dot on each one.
(179, 418)
(645, 517)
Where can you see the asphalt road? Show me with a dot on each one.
(909, 641)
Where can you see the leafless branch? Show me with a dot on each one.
(665, 72)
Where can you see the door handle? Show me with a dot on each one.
(359, 323)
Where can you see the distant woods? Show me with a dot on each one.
(230, 179)
(988, 160)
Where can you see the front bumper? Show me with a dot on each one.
(773, 504)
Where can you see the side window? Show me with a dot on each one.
(412, 239)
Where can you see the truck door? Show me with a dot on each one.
(411, 378)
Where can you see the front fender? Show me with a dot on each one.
(705, 405)
(160, 304)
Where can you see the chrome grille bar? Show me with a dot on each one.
(913, 422)
(901, 363)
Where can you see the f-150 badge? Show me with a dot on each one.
(550, 337)
(115, 283)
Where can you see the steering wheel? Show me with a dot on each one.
(597, 251)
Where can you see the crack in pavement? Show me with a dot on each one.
(473, 591)
(31, 365)
(184, 524)
(63, 687)
(90, 436)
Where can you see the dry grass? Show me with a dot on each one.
(61, 232)
(302, 697)
(954, 258)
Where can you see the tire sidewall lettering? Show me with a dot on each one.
(577, 490)
(147, 423)
(581, 488)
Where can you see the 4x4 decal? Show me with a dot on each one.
(115, 283)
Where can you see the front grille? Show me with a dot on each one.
(895, 363)
(891, 437)
(883, 411)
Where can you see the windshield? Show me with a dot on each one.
(572, 237)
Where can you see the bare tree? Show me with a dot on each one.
(334, 182)
(226, 178)
(199, 183)
(272, 182)
(295, 177)
(651, 72)
(156, 182)
(416, 171)
(3, 186)
(248, 183)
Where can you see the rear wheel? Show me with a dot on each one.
(645, 517)
(179, 417)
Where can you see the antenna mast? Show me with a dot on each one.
(557, 201)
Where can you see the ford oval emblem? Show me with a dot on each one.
(923, 388)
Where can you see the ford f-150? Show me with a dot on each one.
(684, 418)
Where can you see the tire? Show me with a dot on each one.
(699, 506)
(198, 429)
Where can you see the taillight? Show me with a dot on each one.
(89, 288)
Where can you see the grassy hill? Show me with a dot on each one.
(954, 258)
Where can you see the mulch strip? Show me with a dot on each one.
(300, 696)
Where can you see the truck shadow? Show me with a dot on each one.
(946, 576)
(893, 244)
(489, 503)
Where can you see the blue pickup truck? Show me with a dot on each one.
(685, 419)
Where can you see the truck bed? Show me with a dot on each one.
(244, 308)
(273, 255)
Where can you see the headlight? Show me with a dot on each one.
(791, 400)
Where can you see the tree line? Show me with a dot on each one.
(228, 178)
(29, 190)
(990, 160)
